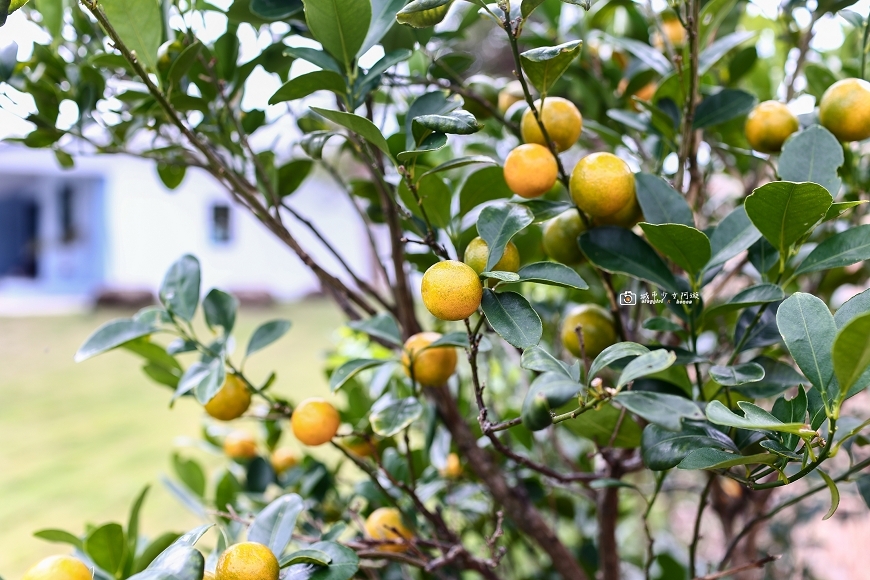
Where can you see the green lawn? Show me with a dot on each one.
(78, 441)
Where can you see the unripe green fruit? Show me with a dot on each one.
(536, 413)
(424, 13)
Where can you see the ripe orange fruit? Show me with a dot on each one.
(597, 326)
(477, 254)
(675, 32)
(627, 217)
(510, 94)
(59, 568)
(283, 460)
(361, 447)
(645, 93)
(845, 109)
(431, 367)
(247, 561)
(451, 290)
(208, 576)
(530, 170)
(561, 119)
(560, 237)
(768, 125)
(453, 469)
(315, 421)
(386, 524)
(602, 184)
(240, 445)
(231, 401)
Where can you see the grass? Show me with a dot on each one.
(79, 441)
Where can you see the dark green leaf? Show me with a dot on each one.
(315, 557)
(687, 247)
(663, 449)
(545, 209)
(537, 359)
(621, 251)
(646, 364)
(390, 415)
(614, 353)
(183, 62)
(754, 418)
(718, 459)
(791, 411)
(812, 155)
(481, 186)
(497, 224)
(343, 564)
(266, 334)
(460, 162)
(752, 296)
(667, 411)
(382, 326)
(291, 175)
(359, 125)
(316, 57)
(60, 537)
(528, 6)
(661, 203)
(350, 369)
(171, 174)
(220, 310)
(733, 235)
(808, 329)
(383, 18)
(851, 354)
(544, 66)
(843, 249)
(304, 85)
(434, 196)
(784, 212)
(275, 9)
(190, 473)
(178, 562)
(719, 48)
(839, 208)
(552, 274)
(736, 375)
(599, 425)
(513, 318)
(778, 377)
(722, 107)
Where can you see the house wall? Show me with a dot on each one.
(141, 228)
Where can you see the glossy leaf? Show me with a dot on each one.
(382, 326)
(434, 196)
(357, 124)
(177, 562)
(733, 235)
(460, 162)
(621, 251)
(308, 83)
(661, 203)
(111, 335)
(722, 107)
(316, 57)
(754, 418)
(736, 375)
(667, 411)
(808, 329)
(485, 185)
(839, 208)
(686, 246)
(274, 525)
(204, 379)
(220, 310)
(341, 26)
(537, 359)
(343, 564)
(784, 212)
(544, 66)
(813, 155)
(308, 556)
(663, 449)
(266, 334)
(645, 365)
(107, 547)
(778, 377)
(453, 123)
(383, 18)
(752, 296)
(512, 318)
(497, 224)
(179, 292)
(851, 354)
(390, 415)
(614, 353)
(275, 9)
(718, 459)
(712, 54)
(843, 249)
(792, 410)
(350, 369)
(552, 274)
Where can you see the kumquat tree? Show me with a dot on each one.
(620, 253)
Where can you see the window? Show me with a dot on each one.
(66, 203)
(220, 224)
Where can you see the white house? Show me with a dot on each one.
(109, 224)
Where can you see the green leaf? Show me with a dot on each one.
(644, 52)
(139, 23)
(459, 162)
(315, 557)
(179, 292)
(552, 274)
(433, 142)
(537, 359)
(178, 562)
(661, 203)
(359, 125)
(190, 473)
(754, 418)
(390, 415)
(454, 123)
(784, 212)
(736, 375)
(621, 251)
(343, 564)
(544, 209)
(304, 85)
(733, 235)
(528, 6)
(435, 197)
(544, 66)
(316, 57)
(382, 326)
(133, 525)
(350, 369)
(273, 527)
(497, 224)
(183, 62)
(107, 547)
(839, 208)
(512, 317)
(752, 296)
(383, 17)
(482, 186)
(275, 9)
(863, 483)
(204, 379)
(808, 329)
(501, 276)
(8, 55)
(220, 310)
(112, 335)
(718, 459)
(662, 449)
(687, 247)
(722, 107)
(191, 537)
(854, 306)
(843, 249)
(851, 353)
(778, 377)
(292, 174)
(667, 411)
(718, 49)
(266, 334)
(792, 410)
(835, 494)
(172, 175)
(645, 365)
(459, 339)
(60, 537)
(341, 26)
(614, 353)
(599, 425)
(813, 155)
